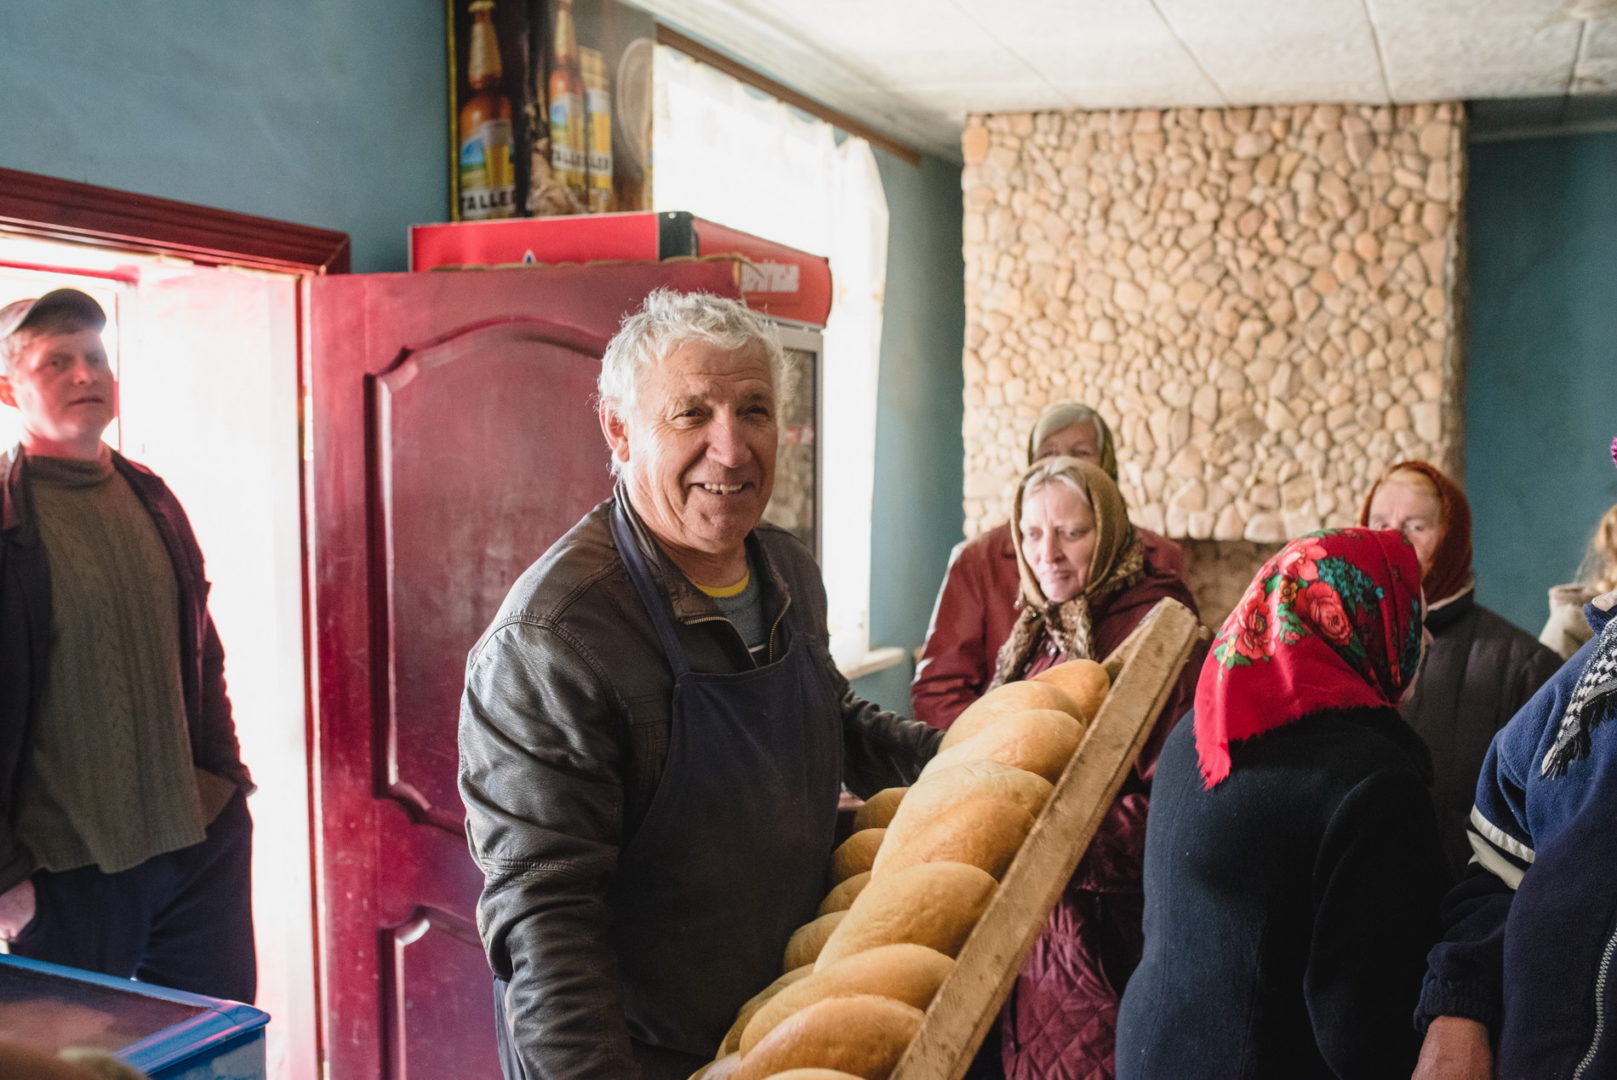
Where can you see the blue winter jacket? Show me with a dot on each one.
(1531, 930)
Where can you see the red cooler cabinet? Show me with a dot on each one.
(775, 279)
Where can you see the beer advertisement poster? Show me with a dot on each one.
(552, 107)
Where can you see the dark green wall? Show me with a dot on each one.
(919, 448)
(325, 114)
(1541, 395)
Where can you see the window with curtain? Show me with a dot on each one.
(726, 152)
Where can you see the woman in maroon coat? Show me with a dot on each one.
(976, 607)
(1085, 584)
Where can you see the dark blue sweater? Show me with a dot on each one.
(1531, 929)
(1289, 909)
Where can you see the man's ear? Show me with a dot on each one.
(7, 395)
(615, 430)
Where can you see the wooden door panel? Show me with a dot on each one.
(452, 443)
(462, 510)
(433, 958)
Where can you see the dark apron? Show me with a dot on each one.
(733, 852)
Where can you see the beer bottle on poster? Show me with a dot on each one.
(487, 177)
(567, 135)
(598, 113)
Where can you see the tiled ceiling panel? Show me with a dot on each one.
(1281, 50)
(1440, 49)
(1101, 53)
(1597, 63)
(916, 68)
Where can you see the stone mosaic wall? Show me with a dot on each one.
(1262, 301)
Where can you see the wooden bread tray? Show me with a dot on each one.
(1143, 670)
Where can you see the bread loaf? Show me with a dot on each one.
(863, 1035)
(806, 941)
(952, 784)
(841, 897)
(1008, 700)
(983, 830)
(815, 1074)
(1039, 740)
(1085, 681)
(907, 973)
(856, 854)
(725, 1068)
(933, 904)
(732, 1038)
(878, 809)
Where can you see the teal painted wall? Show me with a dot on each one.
(1541, 396)
(920, 452)
(336, 114)
(326, 114)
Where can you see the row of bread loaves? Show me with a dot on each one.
(909, 886)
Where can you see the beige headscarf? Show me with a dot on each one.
(1117, 562)
(1062, 415)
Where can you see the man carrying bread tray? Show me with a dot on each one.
(653, 734)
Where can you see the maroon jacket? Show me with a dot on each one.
(1061, 1020)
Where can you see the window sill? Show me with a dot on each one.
(873, 661)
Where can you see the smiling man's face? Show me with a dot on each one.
(697, 449)
(64, 388)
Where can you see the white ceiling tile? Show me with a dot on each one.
(1122, 48)
(1280, 50)
(1441, 49)
(915, 68)
(1596, 77)
(1600, 39)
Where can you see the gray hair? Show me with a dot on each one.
(1054, 471)
(669, 319)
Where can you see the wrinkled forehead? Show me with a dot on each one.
(710, 370)
(1081, 431)
(1055, 499)
(1406, 490)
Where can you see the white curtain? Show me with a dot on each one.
(735, 156)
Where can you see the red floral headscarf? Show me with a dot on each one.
(1450, 572)
(1331, 622)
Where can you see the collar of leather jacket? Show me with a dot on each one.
(691, 604)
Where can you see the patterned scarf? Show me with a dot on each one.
(1117, 562)
(1065, 414)
(1333, 621)
(1592, 698)
(1450, 572)
(1591, 702)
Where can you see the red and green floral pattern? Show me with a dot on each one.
(1332, 621)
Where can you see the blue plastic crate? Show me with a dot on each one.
(167, 1034)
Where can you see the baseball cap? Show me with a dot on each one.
(17, 315)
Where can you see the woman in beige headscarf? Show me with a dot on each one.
(976, 608)
(1085, 585)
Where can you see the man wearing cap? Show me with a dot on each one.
(124, 833)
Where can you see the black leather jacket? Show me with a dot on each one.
(25, 621)
(564, 731)
(1478, 672)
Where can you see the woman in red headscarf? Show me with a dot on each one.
(1292, 866)
(1480, 669)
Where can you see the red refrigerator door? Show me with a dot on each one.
(452, 442)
